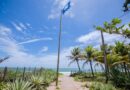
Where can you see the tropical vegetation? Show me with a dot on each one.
(39, 80)
(114, 59)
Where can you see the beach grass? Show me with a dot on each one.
(38, 80)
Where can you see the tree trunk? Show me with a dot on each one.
(16, 72)
(91, 68)
(24, 70)
(78, 65)
(125, 68)
(122, 68)
(105, 57)
(5, 73)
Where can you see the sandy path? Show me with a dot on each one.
(67, 83)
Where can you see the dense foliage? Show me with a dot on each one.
(114, 59)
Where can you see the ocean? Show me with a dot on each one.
(30, 69)
(65, 71)
(61, 70)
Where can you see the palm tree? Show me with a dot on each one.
(75, 57)
(98, 55)
(114, 27)
(108, 28)
(122, 50)
(126, 32)
(88, 56)
(3, 59)
(119, 29)
(112, 59)
(104, 50)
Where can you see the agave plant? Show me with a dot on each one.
(38, 83)
(19, 85)
(49, 77)
(3, 86)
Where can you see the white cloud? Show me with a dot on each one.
(17, 27)
(44, 49)
(21, 58)
(58, 5)
(35, 40)
(4, 31)
(94, 38)
(28, 25)
(21, 26)
(9, 46)
(90, 37)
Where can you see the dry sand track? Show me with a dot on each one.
(67, 83)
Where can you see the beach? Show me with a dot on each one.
(66, 73)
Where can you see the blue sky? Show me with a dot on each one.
(29, 29)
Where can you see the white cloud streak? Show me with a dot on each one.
(21, 58)
(36, 40)
(17, 27)
(21, 26)
(44, 49)
(4, 31)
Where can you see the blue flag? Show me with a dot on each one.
(66, 8)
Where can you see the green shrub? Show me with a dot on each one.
(3, 86)
(119, 78)
(19, 85)
(38, 83)
(101, 86)
(42, 79)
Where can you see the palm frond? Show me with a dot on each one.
(71, 62)
(3, 59)
(86, 62)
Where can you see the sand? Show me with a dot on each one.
(67, 83)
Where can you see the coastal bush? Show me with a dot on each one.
(83, 77)
(119, 78)
(101, 86)
(11, 75)
(3, 86)
(49, 76)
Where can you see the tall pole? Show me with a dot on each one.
(59, 47)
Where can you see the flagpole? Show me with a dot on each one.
(59, 39)
(59, 47)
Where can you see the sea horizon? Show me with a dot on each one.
(61, 70)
